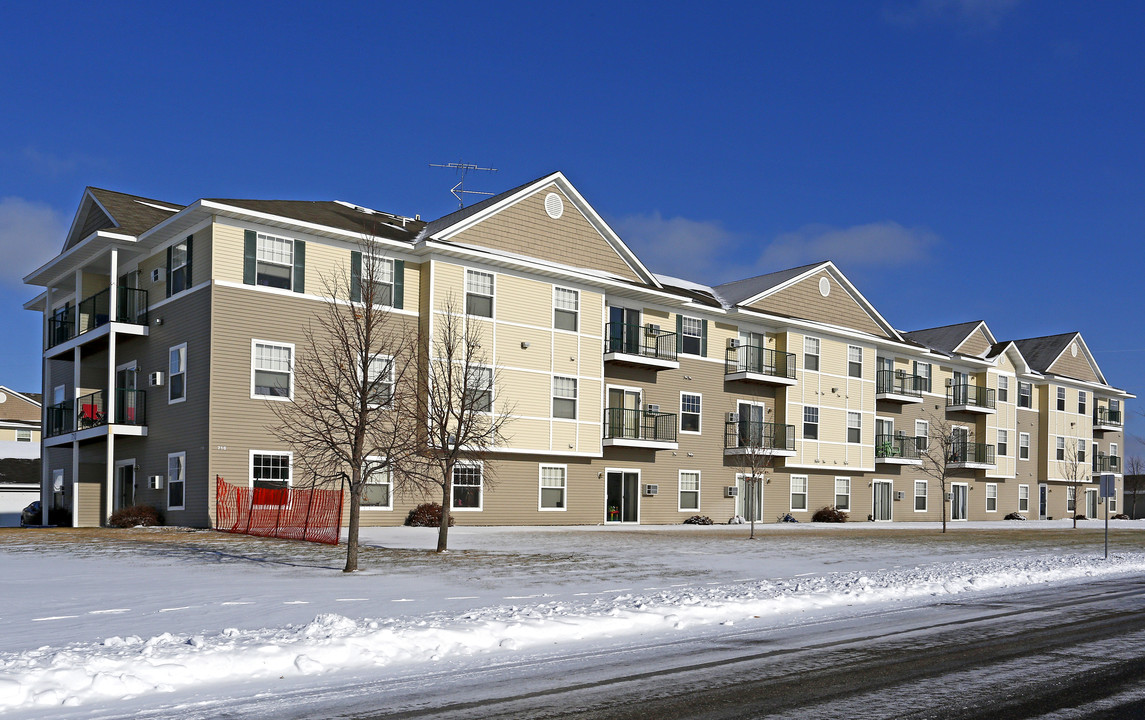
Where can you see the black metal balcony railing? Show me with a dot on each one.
(755, 359)
(61, 418)
(94, 312)
(898, 382)
(907, 447)
(88, 411)
(1103, 463)
(625, 424)
(1105, 416)
(970, 452)
(757, 435)
(638, 340)
(970, 395)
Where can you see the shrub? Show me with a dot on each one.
(426, 515)
(1119, 516)
(1080, 516)
(134, 516)
(698, 520)
(1015, 516)
(829, 514)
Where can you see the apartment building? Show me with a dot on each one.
(171, 330)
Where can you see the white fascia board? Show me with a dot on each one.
(37, 303)
(785, 284)
(788, 323)
(7, 390)
(985, 328)
(36, 276)
(1077, 338)
(1096, 387)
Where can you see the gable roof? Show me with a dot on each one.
(945, 338)
(733, 293)
(335, 214)
(464, 213)
(33, 398)
(1041, 352)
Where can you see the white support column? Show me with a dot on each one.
(45, 403)
(109, 500)
(113, 299)
(75, 484)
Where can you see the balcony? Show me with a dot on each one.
(752, 436)
(1106, 420)
(899, 449)
(970, 398)
(1103, 463)
(752, 363)
(976, 456)
(89, 413)
(639, 429)
(897, 386)
(95, 312)
(641, 346)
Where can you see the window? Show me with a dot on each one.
(566, 308)
(1003, 443)
(854, 427)
(274, 261)
(1115, 409)
(1113, 503)
(1093, 458)
(810, 353)
(810, 423)
(380, 381)
(176, 480)
(378, 492)
(922, 370)
(177, 374)
(1071, 499)
(383, 284)
(1024, 393)
(691, 335)
(270, 478)
(272, 370)
(798, 492)
(843, 493)
(1061, 448)
(991, 497)
(564, 398)
(23, 436)
(689, 490)
(178, 267)
(1081, 398)
(466, 487)
(922, 434)
(854, 361)
(1023, 498)
(1080, 450)
(1003, 388)
(690, 412)
(1061, 398)
(920, 496)
(478, 293)
(1112, 449)
(1024, 446)
(479, 389)
(553, 487)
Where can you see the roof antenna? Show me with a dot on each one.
(459, 190)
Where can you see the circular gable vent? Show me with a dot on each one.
(3, 397)
(824, 287)
(554, 206)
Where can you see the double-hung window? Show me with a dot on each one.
(843, 493)
(378, 491)
(1023, 446)
(466, 490)
(1003, 443)
(564, 398)
(1061, 398)
(274, 261)
(1060, 448)
(922, 434)
(270, 474)
(689, 490)
(920, 495)
(23, 436)
(810, 353)
(176, 480)
(1003, 388)
(798, 492)
(690, 412)
(810, 423)
(691, 335)
(380, 381)
(991, 497)
(854, 427)
(177, 374)
(478, 293)
(922, 370)
(1080, 450)
(1023, 498)
(272, 370)
(1025, 391)
(554, 481)
(381, 286)
(479, 388)
(1070, 499)
(1081, 402)
(180, 267)
(566, 308)
(854, 361)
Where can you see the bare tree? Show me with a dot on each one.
(943, 448)
(757, 441)
(354, 414)
(1075, 472)
(458, 383)
(1133, 482)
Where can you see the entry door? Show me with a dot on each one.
(958, 504)
(882, 500)
(624, 330)
(623, 413)
(126, 399)
(1043, 501)
(749, 503)
(751, 426)
(622, 494)
(959, 389)
(751, 354)
(960, 444)
(1091, 504)
(124, 485)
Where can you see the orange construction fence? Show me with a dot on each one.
(312, 515)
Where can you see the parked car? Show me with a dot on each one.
(31, 515)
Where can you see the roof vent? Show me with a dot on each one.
(554, 206)
(824, 287)
(1073, 349)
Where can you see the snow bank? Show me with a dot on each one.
(125, 667)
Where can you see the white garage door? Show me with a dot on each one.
(13, 499)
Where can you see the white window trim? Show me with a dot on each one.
(383, 358)
(987, 498)
(818, 354)
(835, 494)
(293, 358)
(492, 400)
(926, 423)
(540, 488)
(481, 504)
(183, 347)
(574, 312)
(818, 423)
(849, 361)
(1027, 509)
(553, 397)
(290, 267)
(370, 508)
(28, 439)
(925, 496)
(998, 442)
(492, 307)
(700, 424)
(680, 490)
(183, 465)
(250, 467)
(1027, 445)
(806, 494)
(849, 428)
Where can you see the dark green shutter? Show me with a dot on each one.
(355, 276)
(399, 284)
(250, 243)
(168, 274)
(299, 266)
(187, 284)
(704, 338)
(679, 333)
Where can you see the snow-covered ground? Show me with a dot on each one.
(160, 615)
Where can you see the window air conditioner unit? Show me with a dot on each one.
(652, 408)
(155, 482)
(651, 489)
(651, 329)
(731, 491)
(900, 495)
(157, 274)
(733, 343)
(733, 417)
(155, 379)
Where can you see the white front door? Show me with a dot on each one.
(749, 500)
(883, 497)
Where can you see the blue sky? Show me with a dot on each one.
(986, 149)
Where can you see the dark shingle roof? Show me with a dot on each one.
(455, 217)
(335, 215)
(944, 338)
(737, 291)
(133, 215)
(1040, 352)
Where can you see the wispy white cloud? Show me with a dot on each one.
(981, 15)
(691, 249)
(885, 243)
(30, 234)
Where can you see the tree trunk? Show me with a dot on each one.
(751, 507)
(356, 488)
(443, 530)
(943, 485)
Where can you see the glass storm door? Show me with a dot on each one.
(622, 493)
(958, 502)
(749, 502)
(882, 500)
(623, 330)
(623, 413)
(751, 426)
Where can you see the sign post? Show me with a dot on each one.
(1107, 490)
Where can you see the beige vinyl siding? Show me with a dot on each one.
(803, 300)
(89, 499)
(1074, 367)
(14, 408)
(9, 434)
(976, 343)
